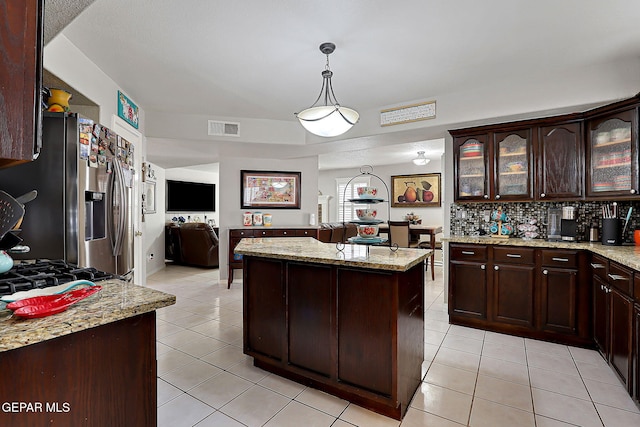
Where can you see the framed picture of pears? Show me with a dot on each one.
(415, 191)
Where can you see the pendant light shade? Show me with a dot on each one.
(329, 118)
(421, 160)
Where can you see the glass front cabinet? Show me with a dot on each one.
(513, 161)
(472, 167)
(612, 156)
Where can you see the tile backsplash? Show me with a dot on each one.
(468, 218)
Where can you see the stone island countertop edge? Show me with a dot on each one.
(308, 249)
(628, 256)
(116, 301)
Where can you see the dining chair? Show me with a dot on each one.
(400, 234)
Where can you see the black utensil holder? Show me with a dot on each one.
(611, 231)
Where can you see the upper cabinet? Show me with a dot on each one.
(583, 156)
(612, 154)
(560, 162)
(472, 167)
(513, 166)
(21, 28)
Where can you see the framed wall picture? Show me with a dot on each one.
(416, 191)
(127, 110)
(149, 197)
(269, 189)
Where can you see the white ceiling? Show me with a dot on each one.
(259, 59)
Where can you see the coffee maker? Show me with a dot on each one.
(569, 224)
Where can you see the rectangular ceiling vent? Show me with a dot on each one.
(223, 128)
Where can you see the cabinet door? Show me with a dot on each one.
(636, 352)
(264, 299)
(558, 301)
(366, 330)
(468, 290)
(472, 168)
(601, 315)
(20, 80)
(560, 160)
(612, 155)
(621, 333)
(513, 165)
(309, 310)
(512, 297)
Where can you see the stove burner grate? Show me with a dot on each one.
(44, 273)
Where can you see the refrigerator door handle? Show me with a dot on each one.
(110, 214)
(122, 208)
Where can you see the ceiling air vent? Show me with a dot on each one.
(223, 128)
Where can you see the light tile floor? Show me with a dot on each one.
(471, 377)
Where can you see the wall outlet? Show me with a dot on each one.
(487, 216)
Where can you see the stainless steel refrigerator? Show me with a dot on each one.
(84, 177)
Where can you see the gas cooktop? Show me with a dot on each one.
(45, 273)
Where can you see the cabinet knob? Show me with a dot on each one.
(543, 195)
(545, 271)
(495, 267)
(486, 196)
(632, 191)
(483, 266)
(284, 232)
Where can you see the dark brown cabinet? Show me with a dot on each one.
(472, 167)
(563, 302)
(636, 350)
(512, 295)
(21, 34)
(613, 316)
(538, 293)
(590, 155)
(612, 154)
(265, 299)
(468, 270)
(560, 162)
(354, 332)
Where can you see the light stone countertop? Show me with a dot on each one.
(116, 301)
(626, 255)
(308, 249)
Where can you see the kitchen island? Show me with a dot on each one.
(348, 322)
(92, 365)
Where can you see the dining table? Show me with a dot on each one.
(417, 230)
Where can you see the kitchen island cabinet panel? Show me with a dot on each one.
(351, 322)
(99, 376)
(310, 289)
(636, 352)
(365, 328)
(264, 299)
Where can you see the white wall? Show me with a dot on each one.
(230, 212)
(63, 59)
(154, 226)
(429, 216)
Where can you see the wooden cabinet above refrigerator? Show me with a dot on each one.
(21, 35)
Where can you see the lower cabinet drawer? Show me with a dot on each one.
(621, 277)
(559, 258)
(468, 252)
(514, 255)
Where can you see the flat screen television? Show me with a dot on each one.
(183, 196)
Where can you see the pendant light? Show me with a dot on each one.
(329, 118)
(421, 160)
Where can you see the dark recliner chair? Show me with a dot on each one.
(198, 245)
(334, 232)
